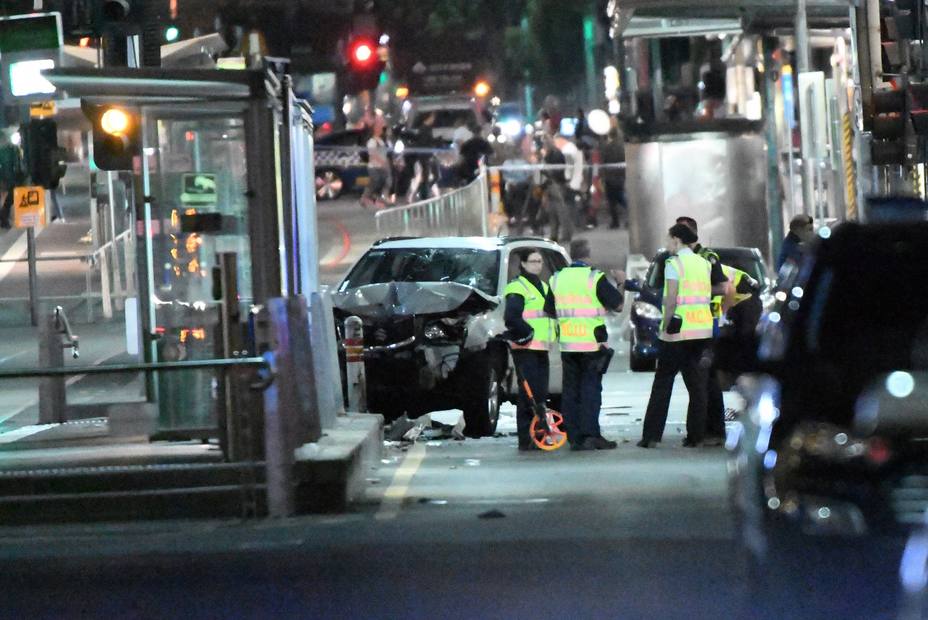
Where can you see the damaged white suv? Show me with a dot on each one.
(431, 308)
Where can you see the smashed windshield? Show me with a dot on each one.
(476, 268)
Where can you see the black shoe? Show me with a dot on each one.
(646, 443)
(586, 444)
(528, 447)
(601, 443)
(689, 443)
(713, 441)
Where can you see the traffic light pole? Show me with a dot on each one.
(33, 277)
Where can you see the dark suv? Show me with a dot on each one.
(823, 492)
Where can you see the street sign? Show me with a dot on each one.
(29, 206)
(29, 44)
(42, 109)
(199, 189)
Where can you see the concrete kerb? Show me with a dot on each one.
(330, 473)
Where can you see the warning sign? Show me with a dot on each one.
(199, 189)
(29, 206)
(42, 109)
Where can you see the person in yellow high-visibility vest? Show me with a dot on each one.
(531, 326)
(582, 295)
(715, 414)
(685, 334)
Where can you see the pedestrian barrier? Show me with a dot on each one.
(462, 212)
(116, 283)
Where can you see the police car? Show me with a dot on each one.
(431, 309)
(341, 163)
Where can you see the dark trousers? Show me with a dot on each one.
(687, 357)
(6, 209)
(582, 395)
(715, 413)
(534, 367)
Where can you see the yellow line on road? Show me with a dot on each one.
(393, 497)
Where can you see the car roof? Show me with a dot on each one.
(481, 243)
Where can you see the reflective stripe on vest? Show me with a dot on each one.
(533, 313)
(693, 297)
(579, 312)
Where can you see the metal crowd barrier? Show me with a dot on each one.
(462, 212)
(100, 260)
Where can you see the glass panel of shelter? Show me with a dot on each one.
(196, 164)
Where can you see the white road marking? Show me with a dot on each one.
(23, 432)
(17, 250)
(393, 497)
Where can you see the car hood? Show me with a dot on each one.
(410, 298)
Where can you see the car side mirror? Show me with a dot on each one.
(895, 404)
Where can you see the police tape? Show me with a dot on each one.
(543, 167)
(411, 150)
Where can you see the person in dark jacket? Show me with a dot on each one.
(583, 342)
(800, 232)
(530, 325)
(12, 173)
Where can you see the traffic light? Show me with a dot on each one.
(364, 64)
(44, 158)
(888, 127)
(110, 14)
(171, 33)
(116, 135)
(898, 28)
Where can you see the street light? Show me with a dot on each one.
(482, 88)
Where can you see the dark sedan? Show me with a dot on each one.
(829, 466)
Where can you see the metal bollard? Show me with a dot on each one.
(54, 337)
(354, 364)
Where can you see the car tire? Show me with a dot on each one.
(481, 409)
(637, 363)
(329, 184)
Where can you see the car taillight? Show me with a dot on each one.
(878, 451)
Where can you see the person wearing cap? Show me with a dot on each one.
(685, 334)
(582, 296)
(715, 414)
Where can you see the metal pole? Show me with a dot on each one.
(774, 204)
(33, 277)
(229, 323)
(802, 63)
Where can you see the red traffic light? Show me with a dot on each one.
(362, 52)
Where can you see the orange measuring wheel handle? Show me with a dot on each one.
(549, 440)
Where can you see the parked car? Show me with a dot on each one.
(829, 462)
(341, 164)
(431, 308)
(645, 316)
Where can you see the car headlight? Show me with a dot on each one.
(446, 329)
(767, 300)
(646, 310)
(435, 331)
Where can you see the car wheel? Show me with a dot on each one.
(638, 363)
(329, 185)
(481, 410)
